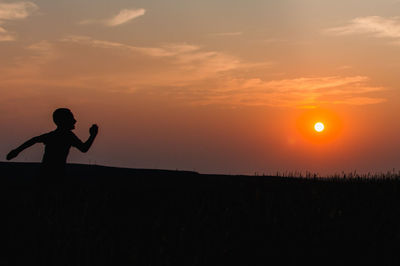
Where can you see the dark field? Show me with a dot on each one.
(111, 216)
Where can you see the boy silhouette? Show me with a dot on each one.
(54, 197)
(58, 143)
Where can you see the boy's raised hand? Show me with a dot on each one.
(12, 154)
(94, 129)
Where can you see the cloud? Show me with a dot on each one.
(164, 51)
(42, 52)
(298, 92)
(207, 77)
(124, 16)
(184, 72)
(375, 26)
(361, 101)
(29, 65)
(189, 58)
(236, 33)
(273, 41)
(6, 36)
(14, 11)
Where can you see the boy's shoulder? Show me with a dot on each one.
(44, 137)
(57, 133)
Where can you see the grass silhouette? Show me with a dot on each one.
(115, 216)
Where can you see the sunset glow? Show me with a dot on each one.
(210, 86)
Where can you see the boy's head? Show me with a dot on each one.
(64, 118)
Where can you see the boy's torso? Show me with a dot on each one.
(57, 145)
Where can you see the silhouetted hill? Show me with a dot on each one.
(28, 170)
(117, 216)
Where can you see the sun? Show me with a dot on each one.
(319, 127)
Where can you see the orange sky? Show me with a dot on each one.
(212, 86)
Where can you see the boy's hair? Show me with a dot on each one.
(60, 115)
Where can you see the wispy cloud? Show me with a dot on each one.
(183, 71)
(42, 52)
(188, 57)
(14, 11)
(124, 16)
(273, 41)
(18, 10)
(298, 92)
(6, 36)
(236, 33)
(360, 101)
(375, 26)
(164, 51)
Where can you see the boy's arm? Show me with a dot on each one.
(85, 146)
(14, 153)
